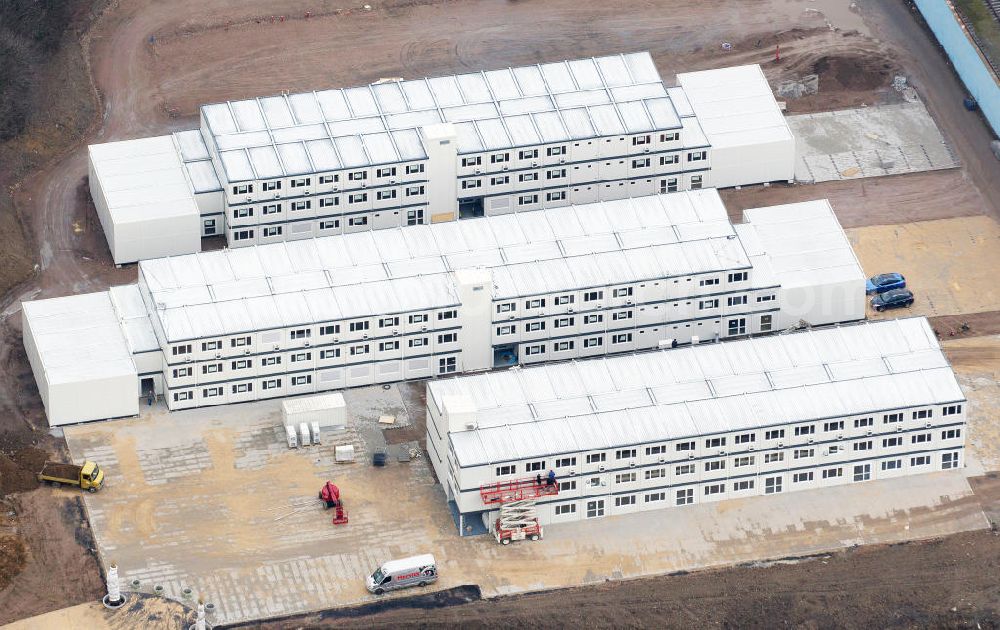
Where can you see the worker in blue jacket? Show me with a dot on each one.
(551, 480)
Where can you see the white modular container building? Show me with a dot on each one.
(80, 358)
(205, 186)
(691, 425)
(802, 248)
(381, 306)
(750, 138)
(482, 143)
(144, 199)
(329, 410)
(375, 307)
(412, 152)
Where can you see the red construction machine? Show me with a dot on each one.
(330, 496)
(518, 519)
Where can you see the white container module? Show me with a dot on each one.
(293, 438)
(326, 409)
(344, 453)
(304, 434)
(314, 430)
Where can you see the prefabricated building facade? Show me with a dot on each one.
(424, 301)
(297, 166)
(670, 428)
(80, 357)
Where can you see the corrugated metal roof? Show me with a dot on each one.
(802, 243)
(526, 252)
(145, 179)
(493, 110)
(734, 106)
(703, 389)
(134, 317)
(78, 338)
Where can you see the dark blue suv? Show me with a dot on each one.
(897, 298)
(885, 282)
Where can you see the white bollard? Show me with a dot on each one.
(114, 597)
(114, 585)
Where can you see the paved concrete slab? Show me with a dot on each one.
(869, 142)
(212, 500)
(949, 264)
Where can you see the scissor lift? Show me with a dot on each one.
(518, 518)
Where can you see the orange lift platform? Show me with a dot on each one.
(517, 490)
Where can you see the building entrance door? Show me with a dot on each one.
(505, 355)
(147, 390)
(471, 207)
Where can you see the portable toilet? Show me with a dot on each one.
(293, 439)
(314, 429)
(304, 434)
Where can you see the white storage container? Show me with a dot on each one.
(326, 409)
(314, 430)
(344, 453)
(304, 434)
(293, 439)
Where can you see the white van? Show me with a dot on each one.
(414, 571)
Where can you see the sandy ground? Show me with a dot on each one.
(949, 264)
(152, 62)
(149, 613)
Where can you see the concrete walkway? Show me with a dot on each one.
(868, 142)
(213, 501)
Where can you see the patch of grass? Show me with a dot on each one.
(979, 17)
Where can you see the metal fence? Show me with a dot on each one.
(976, 71)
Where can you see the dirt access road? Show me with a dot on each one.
(154, 62)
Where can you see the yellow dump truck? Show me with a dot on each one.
(89, 477)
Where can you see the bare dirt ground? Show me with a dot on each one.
(153, 62)
(59, 566)
(968, 325)
(873, 201)
(61, 111)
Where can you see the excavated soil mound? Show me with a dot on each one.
(852, 73)
(18, 471)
